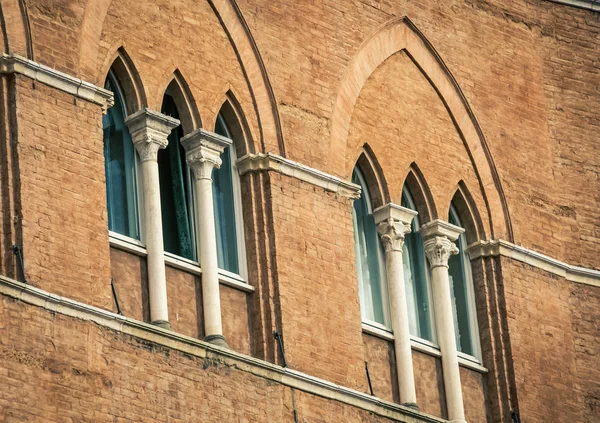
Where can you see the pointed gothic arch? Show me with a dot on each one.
(373, 173)
(231, 110)
(179, 89)
(129, 80)
(400, 34)
(469, 215)
(421, 194)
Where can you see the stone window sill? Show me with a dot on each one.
(136, 247)
(426, 347)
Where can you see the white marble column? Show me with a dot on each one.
(203, 151)
(439, 246)
(149, 131)
(393, 222)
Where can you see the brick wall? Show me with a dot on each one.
(553, 344)
(105, 376)
(62, 193)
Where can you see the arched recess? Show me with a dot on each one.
(231, 110)
(400, 34)
(129, 79)
(179, 89)
(236, 28)
(15, 25)
(468, 213)
(421, 194)
(371, 169)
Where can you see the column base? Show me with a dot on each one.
(162, 324)
(218, 340)
(458, 421)
(412, 405)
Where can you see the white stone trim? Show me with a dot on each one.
(12, 63)
(425, 347)
(582, 4)
(504, 248)
(133, 246)
(270, 161)
(195, 347)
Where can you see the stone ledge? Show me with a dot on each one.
(582, 4)
(270, 161)
(494, 248)
(16, 64)
(287, 377)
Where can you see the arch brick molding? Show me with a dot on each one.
(398, 35)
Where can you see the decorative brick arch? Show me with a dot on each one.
(402, 35)
(233, 23)
(15, 23)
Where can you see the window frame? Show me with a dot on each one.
(137, 166)
(237, 207)
(470, 291)
(383, 282)
(416, 338)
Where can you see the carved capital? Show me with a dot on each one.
(149, 131)
(203, 151)
(438, 251)
(392, 234)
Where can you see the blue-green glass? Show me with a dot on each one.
(367, 248)
(458, 286)
(413, 243)
(224, 205)
(175, 191)
(119, 163)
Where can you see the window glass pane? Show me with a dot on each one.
(223, 197)
(119, 161)
(459, 291)
(415, 277)
(368, 251)
(175, 191)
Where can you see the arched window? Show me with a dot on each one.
(120, 167)
(176, 191)
(416, 277)
(369, 258)
(227, 204)
(463, 296)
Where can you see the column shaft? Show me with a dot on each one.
(444, 320)
(157, 281)
(208, 259)
(400, 326)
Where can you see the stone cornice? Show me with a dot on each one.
(194, 347)
(582, 4)
(274, 162)
(61, 81)
(500, 247)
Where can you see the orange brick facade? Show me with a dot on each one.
(491, 104)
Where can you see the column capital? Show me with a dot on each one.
(203, 151)
(393, 223)
(438, 251)
(438, 227)
(149, 131)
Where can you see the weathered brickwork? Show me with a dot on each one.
(552, 344)
(63, 193)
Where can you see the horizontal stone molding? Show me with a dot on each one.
(263, 369)
(274, 162)
(189, 266)
(582, 4)
(61, 81)
(504, 248)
